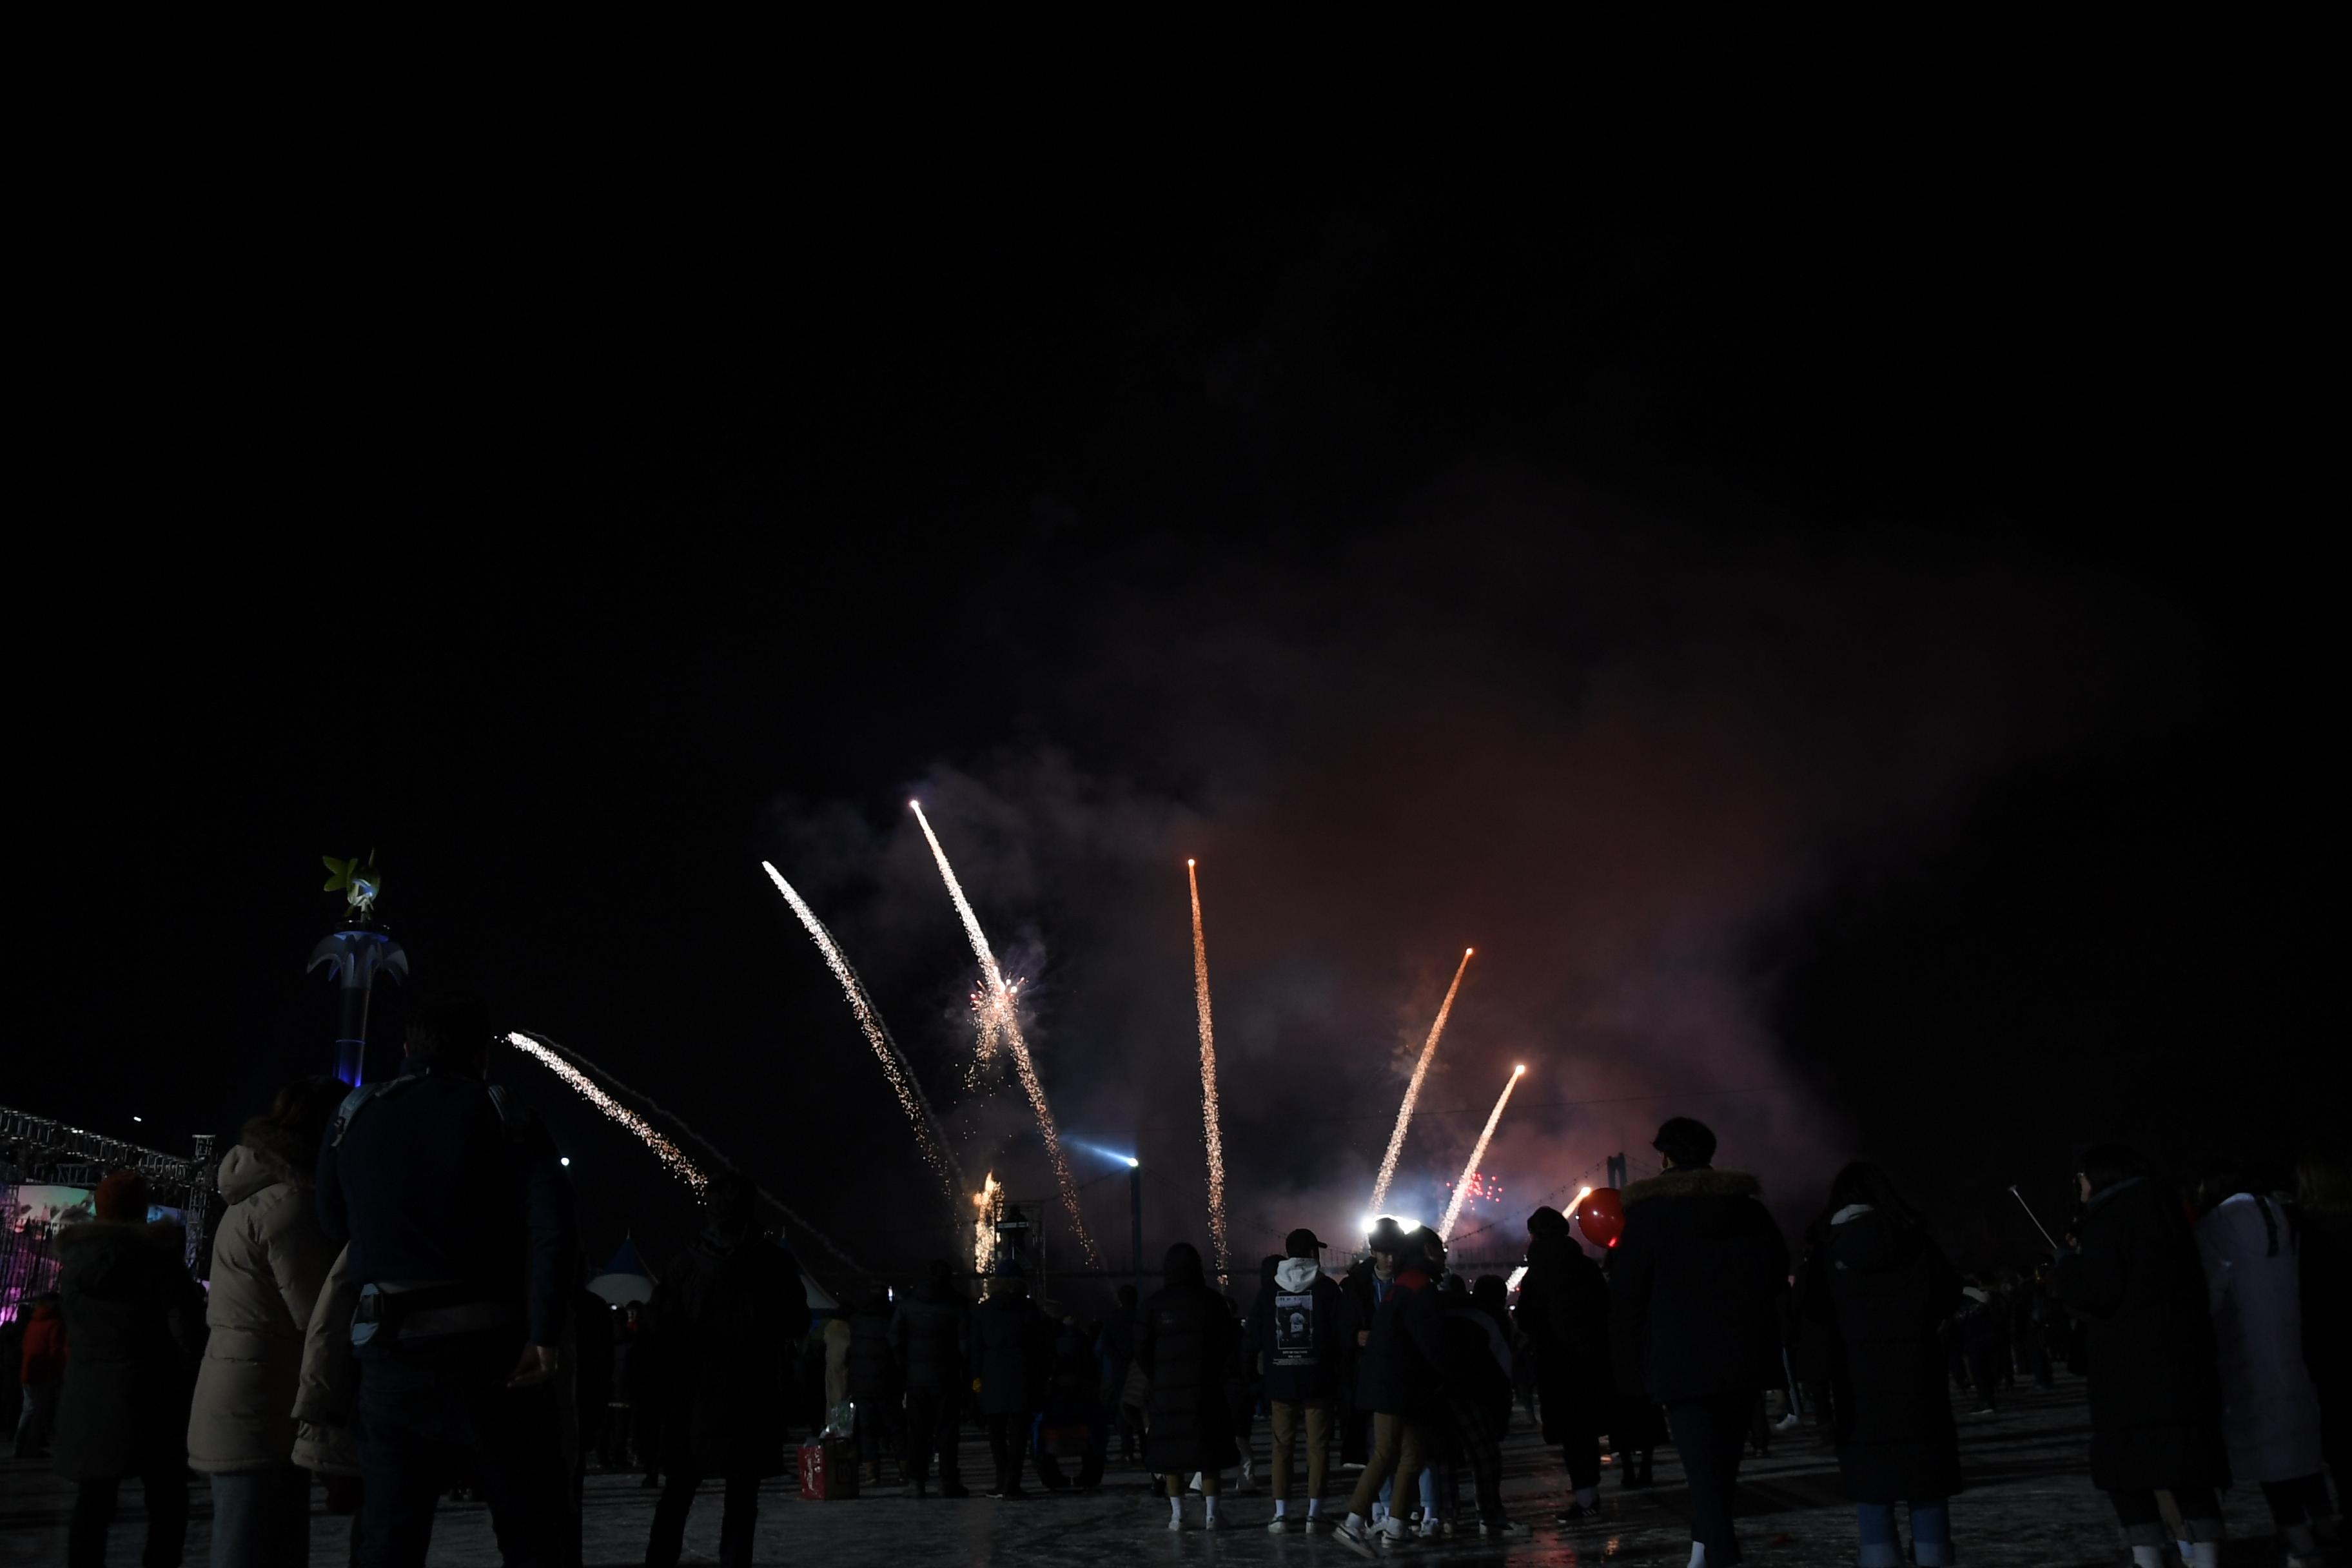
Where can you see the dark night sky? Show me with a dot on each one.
(1805, 549)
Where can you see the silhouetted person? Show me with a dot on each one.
(930, 1335)
(1298, 1328)
(2155, 1392)
(874, 1385)
(1011, 1349)
(1185, 1341)
(725, 1320)
(1695, 1316)
(1399, 1381)
(2325, 1192)
(1564, 1313)
(134, 1329)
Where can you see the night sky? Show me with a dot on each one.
(1808, 551)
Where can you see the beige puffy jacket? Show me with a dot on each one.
(269, 1256)
(327, 1403)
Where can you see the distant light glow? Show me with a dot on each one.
(564, 1161)
(1119, 1155)
(1412, 1088)
(138, 1118)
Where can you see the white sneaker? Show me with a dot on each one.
(1433, 1529)
(1279, 1524)
(1787, 1423)
(1212, 1522)
(1175, 1522)
(1351, 1533)
(1393, 1532)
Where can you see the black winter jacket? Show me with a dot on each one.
(1300, 1329)
(873, 1370)
(1695, 1287)
(1564, 1311)
(1401, 1367)
(1889, 1287)
(1012, 1348)
(2156, 1389)
(717, 1353)
(932, 1340)
(1185, 1345)
(134, 1327)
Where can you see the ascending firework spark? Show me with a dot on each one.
(574, 1069)
(1412, 1089)
(929, 1134)
(1461, 1187)
(1207, 1077)
(1009, 1021)
(989, 1012)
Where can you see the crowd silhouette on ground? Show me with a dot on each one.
(395, 1311)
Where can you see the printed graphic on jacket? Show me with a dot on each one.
(1293, 1329)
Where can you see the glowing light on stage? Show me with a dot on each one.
(1009, 1021)
(1412, 1088)
(1486, 1135)
(1209, 1079)
(930, 1136)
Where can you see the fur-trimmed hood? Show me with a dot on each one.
(1701, 1182)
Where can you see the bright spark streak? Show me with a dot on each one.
(930, 1136)
(1208, 1079)
(1461, 1187)
(1011, 1024)
(1412, 1089)
(573, 1069)
(990, 1202)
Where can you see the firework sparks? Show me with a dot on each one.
(929, 1134)
(992, 978)
(1207, 1077)
(1461, 1187)
(574, 1069)
(1412, 1088)
(990, 1203)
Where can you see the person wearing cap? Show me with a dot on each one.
(1298, 1331)
(1694, 1321)
(1398, 1382)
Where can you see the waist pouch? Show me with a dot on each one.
(427, 1312)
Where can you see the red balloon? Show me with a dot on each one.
(1601, 1216)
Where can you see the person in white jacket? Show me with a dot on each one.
(270, 1257)
(2270, 1406)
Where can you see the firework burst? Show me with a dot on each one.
(1486, 1135)
(1208, 1079)
(1412, 1088)
(992, 980)
(930, 1136)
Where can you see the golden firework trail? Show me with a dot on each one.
(990, 1203)
(574, 1069)
(1208, 1079)
(1008, 1019)
(930, 1136)
(1461, 1187)
(1412, 1089)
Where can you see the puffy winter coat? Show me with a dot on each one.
(1300, 1328)
(134, 1323)
(1890, 1289)
(873, 1371)
(1695, 1287)
(725, 1321)
(1012, 1347)
(2156, 1393)
(932, 1341)
(326, 1396)
(2270, 1409)
(1564, 1312)
(270, 1257)
(1401, 1365)
(1184, 1344)
(2327, 1264)
(1477, 1360)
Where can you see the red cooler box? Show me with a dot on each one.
(828, 1469)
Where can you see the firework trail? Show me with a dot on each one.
(929, 1134)
(1007, 1018)
(574, 1069)
(1461, 1187)
(990, 1202)
(1412, 1089)
(1208, 1079)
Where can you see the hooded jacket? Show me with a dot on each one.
(1695, 1286)
(1297, 1328)
(134, 1323)
(327, 1394)
(2269, 1407)
(270, 1257)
